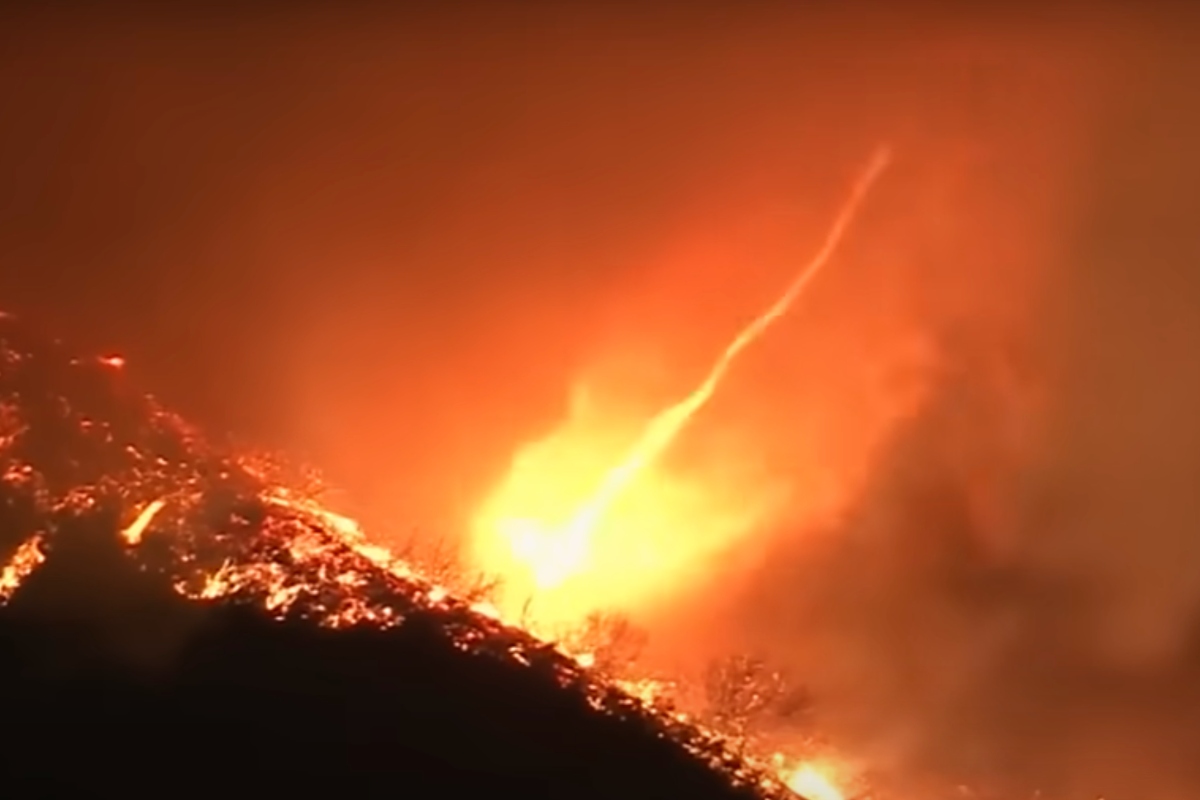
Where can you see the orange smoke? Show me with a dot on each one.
(559, 536)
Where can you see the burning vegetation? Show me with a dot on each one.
(105, 494)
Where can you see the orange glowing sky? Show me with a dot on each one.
(400, 248)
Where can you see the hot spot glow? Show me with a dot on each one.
(589, 519)
(811, 783)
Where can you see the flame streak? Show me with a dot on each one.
(24, 561)
(664, 428)
(137, 529)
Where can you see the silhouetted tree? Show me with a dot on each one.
(744, 694)
(613, 640)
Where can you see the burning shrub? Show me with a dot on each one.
(744, 693)
(442, 564)
(613, 641)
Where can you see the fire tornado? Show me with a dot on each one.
(546, 554)
(106, 497)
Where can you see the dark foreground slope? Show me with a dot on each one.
(178, 620)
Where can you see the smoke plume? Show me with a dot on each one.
(1012, 597)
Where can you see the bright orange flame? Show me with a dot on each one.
(541, 553)
(24, 561)
(553, 526)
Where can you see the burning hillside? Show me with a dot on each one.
(171, 602)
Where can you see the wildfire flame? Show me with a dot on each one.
(226, 525)
(552, 533)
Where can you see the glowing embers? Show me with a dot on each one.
(115, 362)
(220, 526)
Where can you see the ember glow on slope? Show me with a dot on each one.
(288, 554)
(586, 521)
